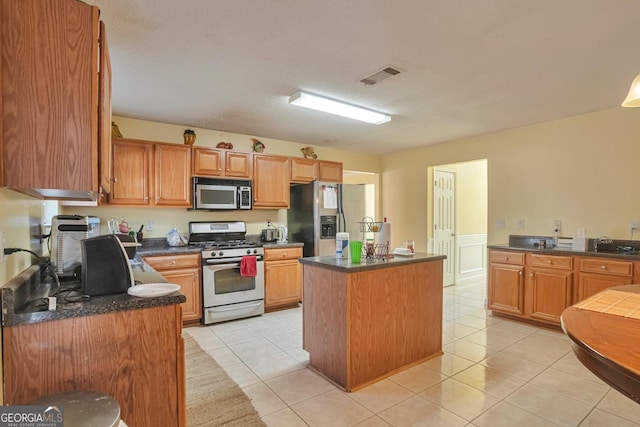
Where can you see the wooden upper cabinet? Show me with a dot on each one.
(104, 114)
(330, 171)
(307, 170)
(271, 179)
(237, 164)
(214, 162)
(172, 166)
(147, 173)
(49, 94)
(304, 170)
(131, 173)
(207, 161)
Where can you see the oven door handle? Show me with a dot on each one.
(227, 261)
(218, 310)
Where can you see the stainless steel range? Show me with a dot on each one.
(227, 293)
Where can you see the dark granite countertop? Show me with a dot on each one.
(159, 246)
(345, 265)
(607, 248)
(16, 290)
(282, 245)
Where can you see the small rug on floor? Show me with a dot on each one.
(213, 398)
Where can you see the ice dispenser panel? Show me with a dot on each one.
(328, 226)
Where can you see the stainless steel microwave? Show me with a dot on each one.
(221, 194)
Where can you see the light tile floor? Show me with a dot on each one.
(494, 372)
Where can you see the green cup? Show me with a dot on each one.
(355, 247)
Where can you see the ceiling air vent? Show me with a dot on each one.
(380, 76)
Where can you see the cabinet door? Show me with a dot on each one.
(131, 168)
(172, 175)
(304, 170)
(591, 283)
(330, 171)
(189, 281)
(548, 293)
(237, 165)
(49, 93)
(270, 181)
(104, 113)
(506, 288)
(207, 161)
(183, 270)
(283, 283)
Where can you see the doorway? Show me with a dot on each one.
(457, 206)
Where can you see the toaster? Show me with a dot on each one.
(269, 235)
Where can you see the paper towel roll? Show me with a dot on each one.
(384, 236)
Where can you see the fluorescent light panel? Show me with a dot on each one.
(315, 102)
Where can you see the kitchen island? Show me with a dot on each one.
(366, 321)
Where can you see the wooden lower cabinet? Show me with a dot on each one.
(548, 293)
(598, 274)
(506, 282)
(282, 278)
(553, 282)
(183, 270)
(135, 356)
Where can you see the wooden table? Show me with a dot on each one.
(605, 335)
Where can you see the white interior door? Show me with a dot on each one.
(444, 221)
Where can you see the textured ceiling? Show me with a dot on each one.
(469, 67)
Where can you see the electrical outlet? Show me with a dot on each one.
(149, 225)
(634, 225)
(520, 224)
(557, 225)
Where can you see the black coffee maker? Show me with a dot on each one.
(105, 266)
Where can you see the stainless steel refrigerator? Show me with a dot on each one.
(318, 210)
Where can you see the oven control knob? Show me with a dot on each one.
(248, 251)
(220, 253)
(255, 251)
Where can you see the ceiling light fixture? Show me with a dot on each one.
(315, 102)
(633, 98)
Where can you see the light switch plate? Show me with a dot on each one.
(149, 225)
(520, 224)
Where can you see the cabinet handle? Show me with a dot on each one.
(173, 262)
(506, 258)
(284, 254)
(146, 198)
(531, 274)
(604, 267)
(549, 262)
(115, 179)
(519, 273)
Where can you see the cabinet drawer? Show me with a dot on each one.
(606, 266)
(506, 257)
(164, 262)
(551, 261)
(282, 253)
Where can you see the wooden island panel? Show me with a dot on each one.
(363, 326)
